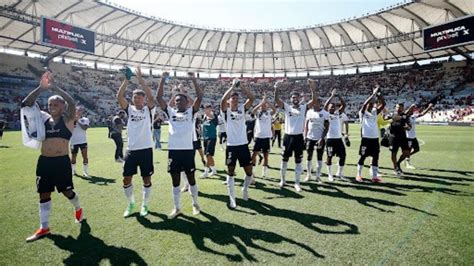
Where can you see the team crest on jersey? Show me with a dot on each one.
(180, 117)
(237, 115)
(294, 112)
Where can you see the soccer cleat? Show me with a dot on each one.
(144, 210)
(282, 184)
(174, 213)
(330, 178)
(307, 178)
(342, 178)
(129, 210)
(213, 171)
(119, 160)
(408, 165)
(42, 232)
(376, 179)
(232, 205)
(245, 194)
(297, 187)
(318, 180)
(79, 215)
(85, 174)
(205, 175)
(196, 209)
(359, 178)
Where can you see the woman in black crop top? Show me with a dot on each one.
(54, 166)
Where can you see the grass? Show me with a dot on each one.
(424, 218)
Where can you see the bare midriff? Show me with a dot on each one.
(55, 147)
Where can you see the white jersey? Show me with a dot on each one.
(315, 120)
(411, 134)
(79, 135)
(139, 127)
(368, 120)
(335, 126)
(236, 129)
(294, 119)
(263, 124)
(180, 129)
(221, 127)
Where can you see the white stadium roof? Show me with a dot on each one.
(123, 36)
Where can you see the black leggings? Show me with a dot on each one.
(118, 145)
(277, 135)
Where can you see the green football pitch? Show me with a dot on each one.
(425, 217)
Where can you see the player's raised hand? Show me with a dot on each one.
(47, 80)
(312, 84)
(278, 84)
(333, 92)
(191, 75)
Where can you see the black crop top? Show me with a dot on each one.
(59, 130)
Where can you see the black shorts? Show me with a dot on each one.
(181, 160)
(413, 144)
(197, 145)
(262, 145)
(241, 153)
(75, 148)
(293, 144)
(397, 142)
(312, 145)
(138, 158)
(369, 147)
(335, 147)
(53, 172)
(209, 146)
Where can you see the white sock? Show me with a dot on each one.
(75, 202)
(340, 170)
(329, 170)
(283, 167)
(298, 171)
(185, 179)
(206, 170)
(44, 210)
(359, 169)
(146, 195)
(85, 168)
(73, 167)
(194, 194)
(265, 170)
(176, 197)
(375, 171)
(309, 166)
(129, 193)
(247, 181)
(318, 169)
(231, 189)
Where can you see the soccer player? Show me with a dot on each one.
(54, 167)
(411, 134)
(116, 127)
(293, 141)
(140, 141)
(222, 131)
(79, 140)
(334, 143)
(398, 138)
(277, 130)
(263, 113)
(369, 145)
(157, 130)
(250, 125)
(237, 143)
(209, 130)
(180, 142)
(3, 125)
(316, 129)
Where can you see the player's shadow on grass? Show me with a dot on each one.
(223, 234)
(333, 191)
(90, 250)
(365, 186)
(418, 188)
(308, 220)
(4, 147)
(97, 180)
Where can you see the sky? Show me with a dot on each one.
(257, 14)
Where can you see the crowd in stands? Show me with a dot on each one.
(96, 89)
